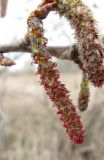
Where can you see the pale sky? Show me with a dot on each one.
(17, 16)
(13, 27)
(18, 10)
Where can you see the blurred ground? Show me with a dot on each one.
(30, 129)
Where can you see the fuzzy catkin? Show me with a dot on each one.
(84, 94)
(49, 77)
(90, 47)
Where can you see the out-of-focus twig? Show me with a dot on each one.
(3, 7)
(4, 61)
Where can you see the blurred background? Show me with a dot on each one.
(29, 127)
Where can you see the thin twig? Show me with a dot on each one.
(66, 52)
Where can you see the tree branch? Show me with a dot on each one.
(66, 52)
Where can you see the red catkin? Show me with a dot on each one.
(49, 77)
(90, 47)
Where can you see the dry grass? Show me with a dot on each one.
(30, 129)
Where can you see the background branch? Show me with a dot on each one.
(3, 7)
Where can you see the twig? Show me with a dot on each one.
(4, 61)
(3, 7)
(66, 52)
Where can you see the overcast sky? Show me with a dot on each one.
(13, 27)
